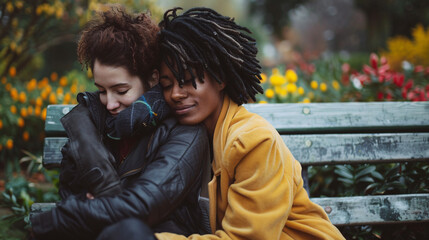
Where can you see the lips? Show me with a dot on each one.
(183, 109)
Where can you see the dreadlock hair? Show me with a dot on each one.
(201, 40)
(116, 38)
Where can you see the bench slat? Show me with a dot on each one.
(345, 117)
(358, 210)
(54, 113)
(328, 149)
(321, 149)
(363, 210)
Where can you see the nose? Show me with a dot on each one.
(178, 93)
(112, 103)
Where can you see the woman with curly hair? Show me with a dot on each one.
(209, 70)
(127, 166)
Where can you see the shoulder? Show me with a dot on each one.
(250, 128)
(171, 133)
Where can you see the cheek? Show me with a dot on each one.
(103, 99)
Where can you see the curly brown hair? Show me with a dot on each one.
(117, 38)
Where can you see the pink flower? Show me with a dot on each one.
(373, 58)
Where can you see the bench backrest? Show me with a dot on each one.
(331, 133)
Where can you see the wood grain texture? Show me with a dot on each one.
(345, 116)
(321, 149)
(362, 210)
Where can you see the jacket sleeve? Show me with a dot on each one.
(261, 196)
(157, 192)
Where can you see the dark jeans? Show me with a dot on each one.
(130, 229)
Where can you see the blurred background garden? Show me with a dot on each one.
(310, 50)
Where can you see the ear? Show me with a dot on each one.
(221, 86)
(154, 78)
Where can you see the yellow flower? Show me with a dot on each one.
(19, 4)
(335, 85)
(264, 77)
(310, 95)
(301, 91)
(31, 85)
(9, 144)
(291, 76)
(67, 98)
(14, 94)
(13, 109)
(39, 101)
(22, 97)
(59, 13)
(1, 124)
(21, 122)
(12, 71)
(89, 73)
(54, 76)
(314, 84)
(3, 80)
(263, 102)
(323, 87)
(24, 112)
(63, 81)
(306, 100)
(37, 111)
(25, 136)
(48, 89)
(44, 94)
(283, 92)
(277, 80)
(60, 91)
(291, 87)
(44, 114)
(8, 87)
(9, 7)
(30, 110)
(43, 83)
(269, 93)
(52, 98)
(73, 89)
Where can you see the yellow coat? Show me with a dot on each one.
(257, 189)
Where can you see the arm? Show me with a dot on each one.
(158, 190)
(260, 197)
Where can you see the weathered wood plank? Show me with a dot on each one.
(363, 210)
(52, 151)
(54, 113)
(321, 149)
(345, 116)
(358, 210)
(317, 117)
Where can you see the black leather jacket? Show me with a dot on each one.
(160, 180)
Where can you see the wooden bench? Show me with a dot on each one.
(329, 134)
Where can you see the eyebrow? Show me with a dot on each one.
(113, 86)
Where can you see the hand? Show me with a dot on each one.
(89, 196)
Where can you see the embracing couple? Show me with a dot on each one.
(165, 150)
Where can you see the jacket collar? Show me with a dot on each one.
(220, 136)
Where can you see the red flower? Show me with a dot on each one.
(368, 70)
(380, 96)
(404, 93)
(409, 84)
(398, 79)
(419, 68)
(389, 96)
(345, 67)
(373, 58)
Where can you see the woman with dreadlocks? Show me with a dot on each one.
(127, 165)
(209, 70)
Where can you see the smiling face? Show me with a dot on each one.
(193, 105)
(118, 89)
